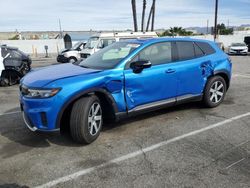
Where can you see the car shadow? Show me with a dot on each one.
(13, 185)
(148, 115)
(23, 140)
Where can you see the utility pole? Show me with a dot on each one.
(143, 14)
(133, 2)
(60, 27)
(215, 20)
(207, 27)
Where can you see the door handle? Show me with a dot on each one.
(169, 71)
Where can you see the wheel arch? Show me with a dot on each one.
(72, 57)
(106, 99)
(225, 75)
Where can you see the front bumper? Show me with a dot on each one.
(62, 59)
(28, 123)
(238, 52)
(40, 114)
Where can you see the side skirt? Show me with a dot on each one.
(158, 105)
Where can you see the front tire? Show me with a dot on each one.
(86, 120)
(215, 91)
(72, 60)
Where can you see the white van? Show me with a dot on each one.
(101, 40)
(71, 55)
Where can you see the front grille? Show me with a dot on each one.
(238, 51)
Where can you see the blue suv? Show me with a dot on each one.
(121, 80)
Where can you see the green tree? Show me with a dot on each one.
(222, 30)
(16, 37)
(177, 31)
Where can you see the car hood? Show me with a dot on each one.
(44, 76)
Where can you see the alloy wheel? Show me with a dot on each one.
(94, 118)
(216, 92)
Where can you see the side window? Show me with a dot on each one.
(198, 51)
(185, 50)
(105, 42)
(157, 54)
(206, 48)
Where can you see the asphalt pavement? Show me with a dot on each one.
(182, 146)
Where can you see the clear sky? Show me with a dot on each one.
(36, 15)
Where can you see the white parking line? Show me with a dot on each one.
(235, 163)
(9, 113)
(241, 75)
(137, 153)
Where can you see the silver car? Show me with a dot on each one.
(238, 49)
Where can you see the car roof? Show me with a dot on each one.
(167, 39)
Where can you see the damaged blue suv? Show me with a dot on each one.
(121, 80)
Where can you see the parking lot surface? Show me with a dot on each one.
(182, 146)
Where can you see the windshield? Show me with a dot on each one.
(238, 44)
(92, 42)
(110, 56)
(76, 45)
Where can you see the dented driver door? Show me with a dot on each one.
(155, 85)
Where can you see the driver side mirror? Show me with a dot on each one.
(138, 66)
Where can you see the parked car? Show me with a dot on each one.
(238, 49)
(121, 80)
(71, 55)
(14, 64)
(101, 40)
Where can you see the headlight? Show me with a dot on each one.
(40, 93)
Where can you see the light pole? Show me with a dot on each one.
(215, 20)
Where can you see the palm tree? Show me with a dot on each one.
(133, 2)
(153, 16)
(143, 14)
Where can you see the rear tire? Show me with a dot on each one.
(215, 91)
(86, 120)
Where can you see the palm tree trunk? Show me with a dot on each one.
(153, 15)
(133, 2)
(149, 18)
(143, 14)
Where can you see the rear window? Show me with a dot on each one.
(198, 51)
(206, 48)
(185, 50)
